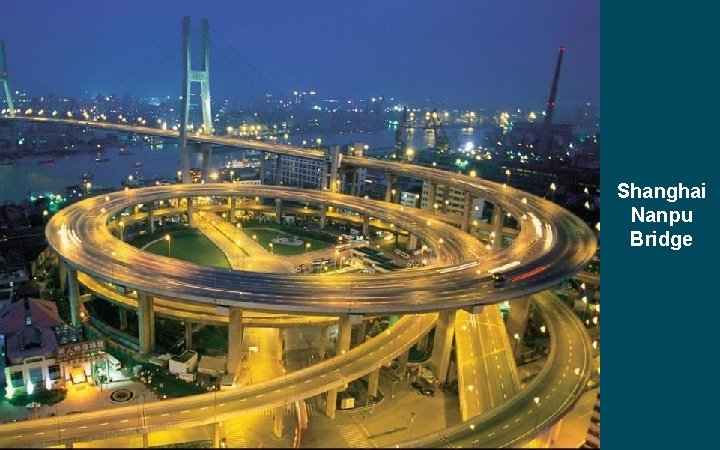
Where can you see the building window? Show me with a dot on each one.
(54, 372)
(16, 379)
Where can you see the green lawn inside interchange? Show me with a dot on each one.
(192, 246)
(265, 235)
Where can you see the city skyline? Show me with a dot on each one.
(488, 55)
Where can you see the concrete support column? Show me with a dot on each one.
(355, 178)
(323, 216)
(233, 208)
(342, 345)
(402, 363)
(278, 422)
(280, 348)
(74, 296)
(278, 210)
(373, 379)
(467, 213)
(422, 344)
(390, 181)
(146, 323)
(151, 218)
(145, 440)
(216, 434)
(123, 318)
(322, 343)
(188, 335)
(444, 331)
(517, 321)
(333, 153)
(358, 337)
(411, 243)
(432, 195)
(331, 403)
(63, 275)
(190, 210)
(344, 333)
(366, 225)
(206, 150)
(498, 220)
(235, 338)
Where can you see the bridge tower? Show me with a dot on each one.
(5, 82)
(201, 76)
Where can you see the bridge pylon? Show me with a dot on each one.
(5, 82)
(190, 76)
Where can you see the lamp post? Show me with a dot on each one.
(337, 254)
(271, 248)
(122, 230)
(517, 345)
(113, 266)
(57, 421)
(167, 238)
(507, 172)
(240, 251)
(552, 188)
(410, 422)
(307, 247)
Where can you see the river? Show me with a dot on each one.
(30, 175)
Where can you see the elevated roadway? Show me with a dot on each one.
(541, 403)
(551, 246)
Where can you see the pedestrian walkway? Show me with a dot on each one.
(354, 436)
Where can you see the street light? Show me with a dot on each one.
(122, 230)
(113, 266)
(307, 247)
(410, 422)
(517, 345)
(239, 252)
(552, 188)
(271, 248)
(57, 421)
(167, 238)
(507, 172)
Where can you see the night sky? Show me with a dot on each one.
(480, 53)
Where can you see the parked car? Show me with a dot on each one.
(426, 391)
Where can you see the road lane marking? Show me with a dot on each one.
(506, 426)
(103, 424)
(184, 411)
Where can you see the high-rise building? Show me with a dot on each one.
(450, 200)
